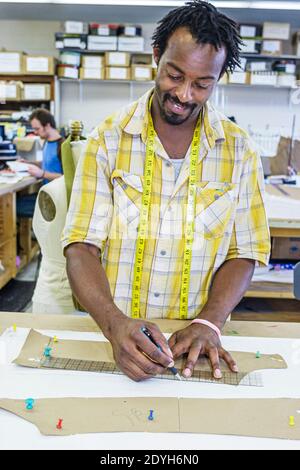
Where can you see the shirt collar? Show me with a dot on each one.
(134, 120)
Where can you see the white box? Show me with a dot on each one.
(70, 58)
(272, 47)
(141, 72)
(269, 78)
(92, 61)
(10, 91)
(102, 43)
(39, 65)
(11, 62)
(277, 31)
(135, 44)
(286, 80)
(67, 71)
(250, 46)
(117, 59)
(36, 91)
(76, 27)
(238, 78)
(258, 66)
(92, 74)
(248, 31)
(117, 73)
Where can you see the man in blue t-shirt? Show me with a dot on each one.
(43, 124)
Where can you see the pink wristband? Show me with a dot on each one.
(209, 324)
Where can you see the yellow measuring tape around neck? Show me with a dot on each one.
(144, 220)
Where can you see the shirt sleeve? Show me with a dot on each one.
(89, 215)
(251, 237)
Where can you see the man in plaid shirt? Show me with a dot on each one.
(194, 46)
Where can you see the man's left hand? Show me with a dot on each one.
(196, 340)
(35, 170)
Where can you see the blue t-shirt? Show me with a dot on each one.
(51, 161)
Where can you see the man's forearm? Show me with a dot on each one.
(228, 288)
(90, 285)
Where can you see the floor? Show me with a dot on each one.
(29, 273)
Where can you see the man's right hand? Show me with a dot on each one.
(134, 353)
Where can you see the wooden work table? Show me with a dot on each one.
(8, 228)
(283, 227)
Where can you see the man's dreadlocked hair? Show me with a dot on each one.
(207, 26)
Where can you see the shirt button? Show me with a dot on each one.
(157, 294)
(217, 196)
(124, 186)
(163, 252)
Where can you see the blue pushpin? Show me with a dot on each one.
(29, 403)
(47, 351)
(151, 417)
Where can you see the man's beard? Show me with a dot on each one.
(173, 118)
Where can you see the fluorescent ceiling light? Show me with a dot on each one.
(264, 5)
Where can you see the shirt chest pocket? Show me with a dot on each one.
(215, 202)
(127, 194)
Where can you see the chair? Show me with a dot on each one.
(52, 293)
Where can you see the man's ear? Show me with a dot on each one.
(156, 55)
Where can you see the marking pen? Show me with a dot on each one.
(149, 336)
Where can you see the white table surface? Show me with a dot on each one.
(18, 382)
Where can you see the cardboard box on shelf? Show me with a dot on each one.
(70, 41)
(117, 59)
(10, 91)
(67, 71)
(131, 44)
(286, 80)
(142, 59)
(251, 46)
(39, 65)
(92, 61)
(258, 66)
(130, 30)
(250, 30)
(91, 73)
(102, 43)
(272, 47)
(276, 31)
(264, 78)
(117, 73)
(286, 248)
(76, 27)
(241, 78)
(141, 72)
(70, 58)
(36, 92)
(100, 29)
(11, 63)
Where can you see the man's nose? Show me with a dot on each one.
(184, 92)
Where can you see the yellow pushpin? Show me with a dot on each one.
(292, 421)
(14, 328)
(55, 340)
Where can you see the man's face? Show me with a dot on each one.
(186, 77)
(39, 129)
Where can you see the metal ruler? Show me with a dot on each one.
(229, 378)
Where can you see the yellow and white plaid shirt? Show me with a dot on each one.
(230, 220)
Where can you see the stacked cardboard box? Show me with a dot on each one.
(117, 66)
(274, 35)
(92, 67)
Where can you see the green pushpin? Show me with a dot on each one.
(258, 355)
